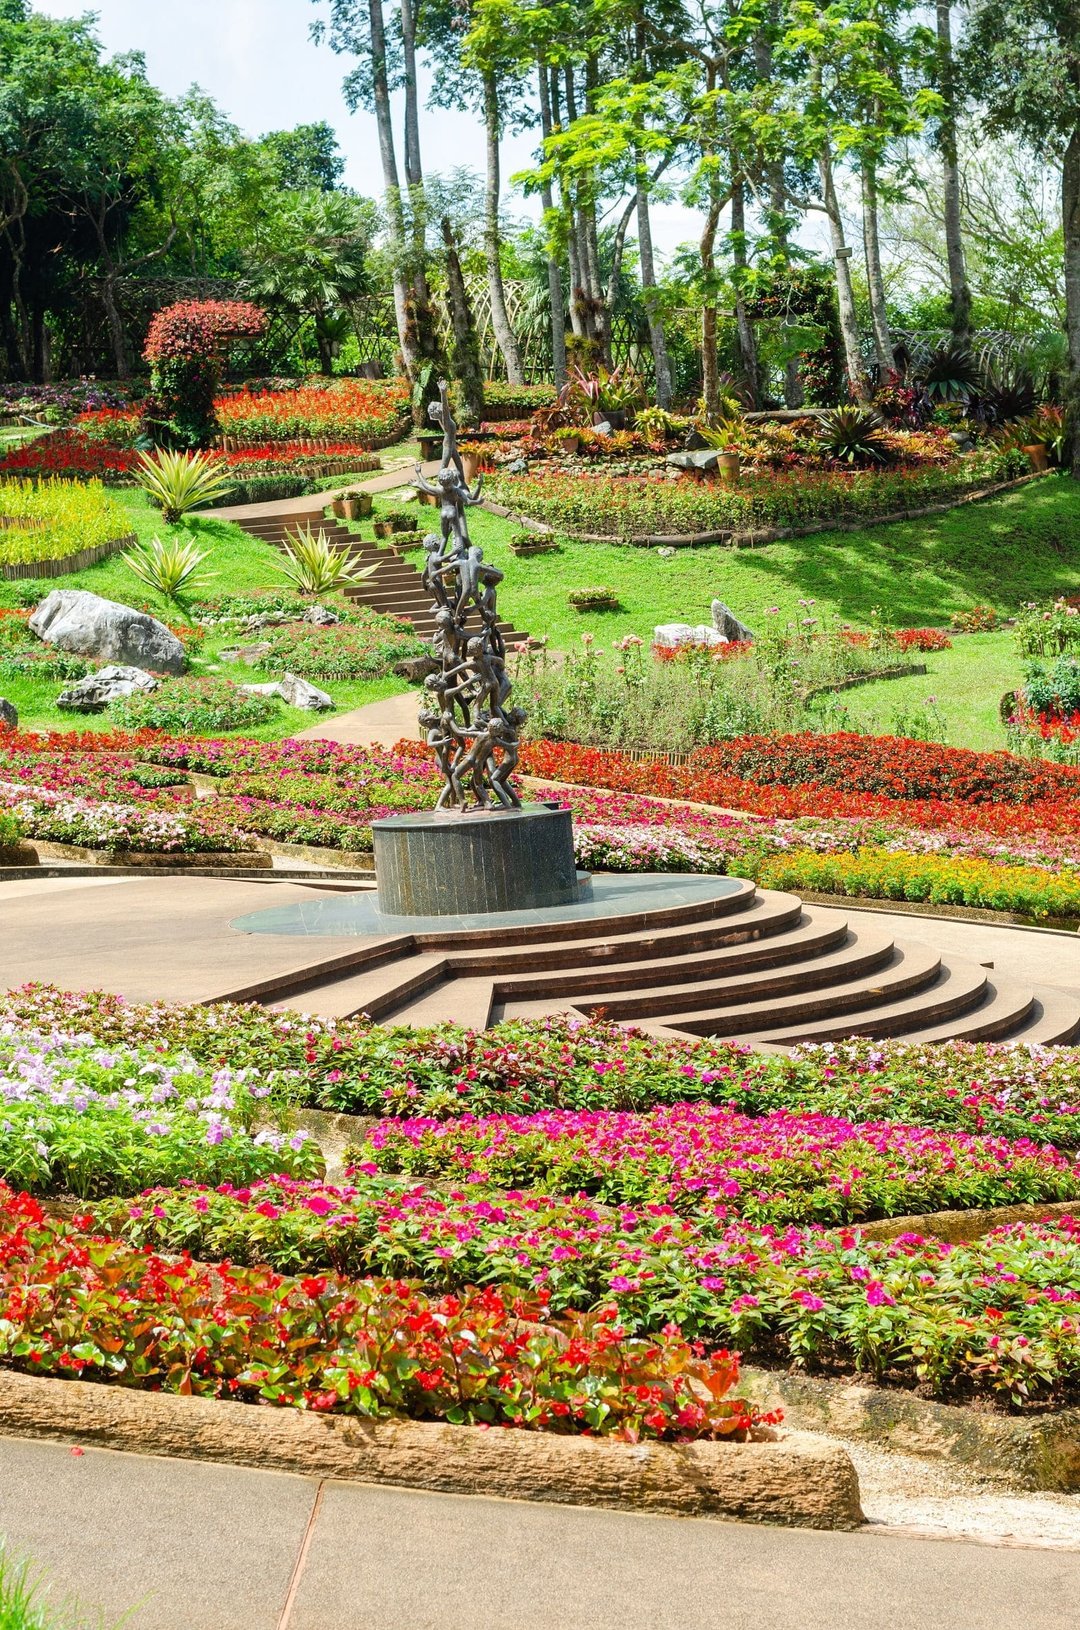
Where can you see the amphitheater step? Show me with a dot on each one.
(887, 1007)
(468, 1002)
(377, 992)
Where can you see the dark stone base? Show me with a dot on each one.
(447, 864)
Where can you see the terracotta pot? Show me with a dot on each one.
(1038, 457)
(729, 466)
(570, 445)
(364, 502)
(470, 464)
(349, 509)
(338, 507)
(383, 529)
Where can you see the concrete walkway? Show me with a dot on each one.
(182, 1545)
(377, 724)
(387, 481)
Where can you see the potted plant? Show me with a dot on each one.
(594, 599)
(471, 455)
(383, 528)
(337, 508)
(532, 543)
(400, 520)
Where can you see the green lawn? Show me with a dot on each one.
(1022, 546)
(966, 684)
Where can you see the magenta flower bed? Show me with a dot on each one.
(780, 1167)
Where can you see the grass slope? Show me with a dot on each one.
(966, 684)
(1022, 546)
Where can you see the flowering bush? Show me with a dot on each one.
(372, 1348)
(356, 411)
(623, 506)
(88, 1120)
(779, 1167)
(54, 817)
(997, 1319)
(69, 456)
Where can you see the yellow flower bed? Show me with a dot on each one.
(46, 520)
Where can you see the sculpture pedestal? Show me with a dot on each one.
(451, 864)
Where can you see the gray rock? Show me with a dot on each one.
(674, 634)
(299, 693)
(518, 466)
(417, 668)
(704, 460)
(263, 619)
(271, 688)
(320, 617)
(252, 655)
(75, 620)
(97, 690)
(726, 623)
(9, 714)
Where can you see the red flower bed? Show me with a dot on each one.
(75, 1304)
(855, 776)
(70, 456)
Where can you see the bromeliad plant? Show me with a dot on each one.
(181, 482)
(315, 566)
(170, 566)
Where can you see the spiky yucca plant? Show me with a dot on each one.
(167, 567)
(316, 566)
(181, 482)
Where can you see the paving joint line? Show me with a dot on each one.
(301, 1558)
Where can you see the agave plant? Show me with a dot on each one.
(854, 435)
(170, 566)
(316, 566)
(181, 482)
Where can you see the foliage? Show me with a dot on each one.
(170, 566)
(594, 599)
(853, 435)
(181, 482)
(345, 651)
(370, 1348)
(355, 410)
(93, 823)
(316, 566)
(197, 705)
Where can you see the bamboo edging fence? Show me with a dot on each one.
(60, 567)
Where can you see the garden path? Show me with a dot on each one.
(184, 1545)
(386, 481)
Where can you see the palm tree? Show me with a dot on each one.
(314, 260)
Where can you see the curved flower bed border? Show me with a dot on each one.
(63, 564)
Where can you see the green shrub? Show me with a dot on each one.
(181, 482)
(167, 567)
(198, 706)
(261, 489)
(10, 830)
(316, 566)
(39, 664)
(347, 651)
(56, 518)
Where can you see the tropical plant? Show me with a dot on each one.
(181, 482)
(167, 567)
(316, 566)
(853, 434)
(1007, 392)
(950, 374)
(1046, 428)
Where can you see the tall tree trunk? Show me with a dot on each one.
(744, 328)
(1070, 219)
(875, 280)
(779, 226)
(500, 319)
(959, 292)
(423, 311)
(845, 297)
(649, 295)
(554, 271)
(710, 383)
(465, 351)
(395, 214)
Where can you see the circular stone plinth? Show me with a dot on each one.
(447, 863)
(613, 899)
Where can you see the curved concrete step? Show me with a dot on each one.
(882, 1009)
(670, 993)
(765, 916)
(376, 993)
(823, 1012)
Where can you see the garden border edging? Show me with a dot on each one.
(794, 1481)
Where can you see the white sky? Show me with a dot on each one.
(256, 60)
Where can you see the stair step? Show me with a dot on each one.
(766, 914)
(885, 1011)
(822, 1013)
(644, 968)
(805, 986)
(467, 1001)
(278, 987)
(375, 992)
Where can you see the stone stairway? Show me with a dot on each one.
(756, 965)
(396, 587)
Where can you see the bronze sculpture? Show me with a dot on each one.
(465, 714)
